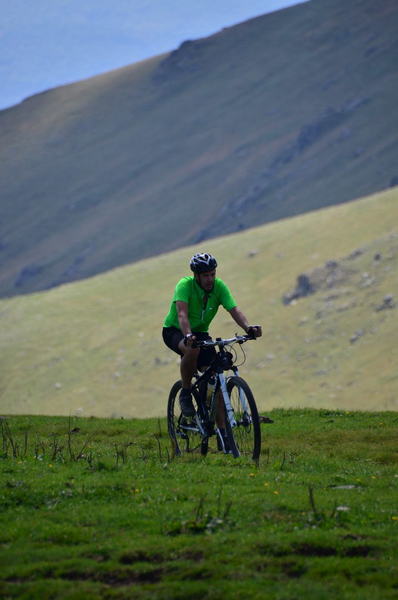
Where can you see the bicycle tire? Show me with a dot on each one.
(245, 438)
(182, 433)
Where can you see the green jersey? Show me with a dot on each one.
(202, 306)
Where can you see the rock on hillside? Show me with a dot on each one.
(342, 280)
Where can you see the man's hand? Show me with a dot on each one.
(189, 339)
(254, 331)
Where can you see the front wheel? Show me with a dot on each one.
(247, 433)
(183, 431)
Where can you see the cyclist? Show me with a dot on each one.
(194, 305)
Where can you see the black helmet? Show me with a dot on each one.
(202, 263)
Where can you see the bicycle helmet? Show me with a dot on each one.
(202, 263)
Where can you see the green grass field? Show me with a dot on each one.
(94, 347)
(95, 508)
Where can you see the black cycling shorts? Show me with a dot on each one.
(173, 336)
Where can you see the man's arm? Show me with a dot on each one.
(182, 314)
(242, 321)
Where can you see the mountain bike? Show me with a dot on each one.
(211, 387)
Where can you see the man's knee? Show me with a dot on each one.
(188, 351)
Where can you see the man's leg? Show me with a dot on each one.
(220, 420)
(188, 367)
(188, 364)
(220, 414)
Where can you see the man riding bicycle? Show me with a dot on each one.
(194, 305)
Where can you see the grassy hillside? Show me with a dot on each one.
(94, 347)
(277, 116)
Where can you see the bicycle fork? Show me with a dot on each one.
(242, 398)
(227, 402)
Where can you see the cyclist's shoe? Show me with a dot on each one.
(187, 407)
(226, 448)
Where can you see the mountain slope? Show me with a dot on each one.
(47, 44)
(277, 116)
(94, 347)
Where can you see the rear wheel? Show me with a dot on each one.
(184, 431)
(247, 433)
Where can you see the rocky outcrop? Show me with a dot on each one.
(333, 273)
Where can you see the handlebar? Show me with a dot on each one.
(220, 342)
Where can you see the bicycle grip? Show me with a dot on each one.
(251, 332)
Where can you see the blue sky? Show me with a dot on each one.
(47, 43)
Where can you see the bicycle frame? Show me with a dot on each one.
(221, 363)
